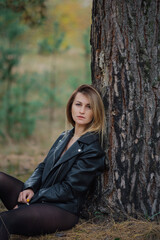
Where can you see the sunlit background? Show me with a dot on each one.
(42, 60)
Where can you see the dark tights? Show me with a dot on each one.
(35, 219)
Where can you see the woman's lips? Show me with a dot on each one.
(81, 117)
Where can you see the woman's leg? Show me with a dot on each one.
(37, 219)
(4, 234)
(10, 188)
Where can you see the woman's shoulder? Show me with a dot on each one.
(90, 137)
(92, 141)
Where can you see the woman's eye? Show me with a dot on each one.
(89, 106)
(78, 104)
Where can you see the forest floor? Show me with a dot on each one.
(103, 229)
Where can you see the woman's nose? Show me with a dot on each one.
(82, 109)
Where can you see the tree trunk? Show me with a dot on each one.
(125, 63)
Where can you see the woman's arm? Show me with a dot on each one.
(34, 182)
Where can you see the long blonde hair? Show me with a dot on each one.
(98, 122)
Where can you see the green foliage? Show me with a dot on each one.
(153, 216)
(32, 12)
(17, 112)
(75, 81)
(53, 44)
(18, 115)
(72, 82)
(58, 36)
(9, 58)
(44, 47)
(10, 30)
(49, 91)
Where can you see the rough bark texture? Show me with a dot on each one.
(125, 65)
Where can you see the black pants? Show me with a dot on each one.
(29, 220)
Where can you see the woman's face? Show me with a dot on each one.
(82, 112)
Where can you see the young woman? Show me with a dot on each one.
(51, 199)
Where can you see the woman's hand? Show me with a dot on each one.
(25, 196)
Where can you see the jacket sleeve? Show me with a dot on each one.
(84, 170)
(34, 181)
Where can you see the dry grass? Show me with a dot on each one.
(134, 230)
(128, 230)
(103, 229)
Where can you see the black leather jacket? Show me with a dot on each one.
(65, 180)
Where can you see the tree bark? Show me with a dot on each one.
(125, 67)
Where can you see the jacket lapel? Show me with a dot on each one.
(61, 146)
(74, 150)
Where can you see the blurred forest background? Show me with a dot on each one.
(44, 56)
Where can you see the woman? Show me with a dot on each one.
(51, 199)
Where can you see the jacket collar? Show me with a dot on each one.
(88, 138)
(75, 149)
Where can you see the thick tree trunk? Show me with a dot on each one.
(125, 43)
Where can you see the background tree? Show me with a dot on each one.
(125, 43)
